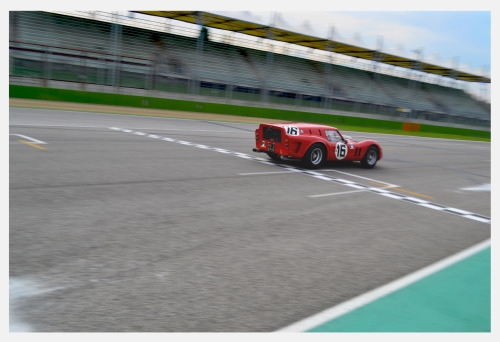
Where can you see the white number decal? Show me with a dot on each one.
(291, 130)
(340, 151)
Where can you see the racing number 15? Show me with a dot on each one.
(340, 151)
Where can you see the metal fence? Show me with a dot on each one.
(115, 51)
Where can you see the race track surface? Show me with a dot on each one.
(132, 223)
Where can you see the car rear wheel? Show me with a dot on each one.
(315, 156)
(370, 158)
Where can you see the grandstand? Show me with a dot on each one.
(48, 47)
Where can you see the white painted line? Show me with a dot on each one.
(416, 200)
(337, 193)
(370, 179)
(19, 289)
(483, 187)
(393, 195)
(323, 177)
(56, 126)
(379, 190)
(477, 218)
(201, 130)
(33, 140)
(459, 211)
(263, 173)
(432, 206)
(345, 182)
(356, 186)
(221, 150)
(370, 296)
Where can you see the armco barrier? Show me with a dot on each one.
(27, 92)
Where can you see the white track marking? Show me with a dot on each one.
(19, 289)
(56, 126)
(370, 296)
(33, 140)
(337, 193)
(370, 179)
(319, 175)
(263, 173)
(483, 187)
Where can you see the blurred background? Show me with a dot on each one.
(162, 56)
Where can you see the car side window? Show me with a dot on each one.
(333, 136)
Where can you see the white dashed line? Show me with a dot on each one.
(337, 193)
(318, 175)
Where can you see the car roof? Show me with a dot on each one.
(301, 125)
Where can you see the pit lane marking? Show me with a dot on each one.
(319, 175)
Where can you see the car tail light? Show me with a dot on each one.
(257, 135)
(286, 143)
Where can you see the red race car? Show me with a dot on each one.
(314, 144)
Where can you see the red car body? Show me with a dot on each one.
(314, 144)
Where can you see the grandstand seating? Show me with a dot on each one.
(83, 50)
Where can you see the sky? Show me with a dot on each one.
(450, 34)
(448, 38)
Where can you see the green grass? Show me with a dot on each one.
(342, 128)
(417, 134)
(343, 122)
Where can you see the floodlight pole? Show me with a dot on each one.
(269, 62)
(377, 57)
(330, 46)
(195, 81)
(115, 48)
(483, 86)
(416, 65)
(454, 77)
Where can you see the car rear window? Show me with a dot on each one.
(271, 133)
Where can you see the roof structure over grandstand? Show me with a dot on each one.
(265, 31)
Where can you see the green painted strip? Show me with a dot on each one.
(455, 299)
(26, 92)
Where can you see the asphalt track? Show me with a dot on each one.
(129, 223)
